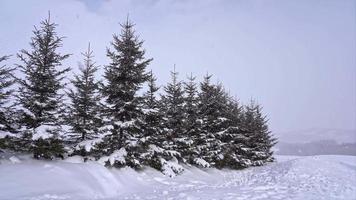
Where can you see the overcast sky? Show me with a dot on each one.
(296, 57)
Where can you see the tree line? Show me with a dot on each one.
(112, 122)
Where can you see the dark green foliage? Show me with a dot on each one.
(234, 149)
(152, 115)
(259, 139)
(8, 117)
(85, 109)
(124, 76)
(172, 103)
(192, 123)
(155, 162)
(212, 111)
(39, 92)
(212, 106)
(48, 148)
(233, 140)
(234, 111)
(7, 121)
(191, 107)
(153, 134)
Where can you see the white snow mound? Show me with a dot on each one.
(316, 177)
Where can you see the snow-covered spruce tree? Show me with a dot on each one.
(234, 111)
(260, 140)
(234, 142)
(124, 76)
(154, 155)
(172, 137)
(212, 110)
(8, 122)
(152, 116)
(172, 103)
(192, 122)
(6, 90)
(84, 109)
(39, 92)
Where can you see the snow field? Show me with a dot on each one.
(316, 177)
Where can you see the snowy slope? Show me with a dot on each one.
(317, 177)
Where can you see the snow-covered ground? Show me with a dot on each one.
(316, 177)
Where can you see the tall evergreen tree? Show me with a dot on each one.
(191, 116)
(212, 106)
(39, 92)
(234, 111)
(84, 116)
(124, 76)
(260, 139)
(152, 116)
(234, 142)
(212, 111)
(153, 137)
(6, 91)
(8, 118)
(172, 108)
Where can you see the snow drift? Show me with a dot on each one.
(316, 177)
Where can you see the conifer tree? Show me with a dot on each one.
(84, 116)
(124, 76)
(212, 106)
(172, 107)
(234, 111)
(191, 116)
(212, 111)
(8, 122)
(234, 142)
(39, 92)
(152, 137)
(6, 91)
(260, 139)
(152, 116)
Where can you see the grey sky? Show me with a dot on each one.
(296, 57)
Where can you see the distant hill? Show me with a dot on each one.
(317, 142)
(311, 135)
(326, 147)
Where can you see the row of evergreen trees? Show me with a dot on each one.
(113, 122)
